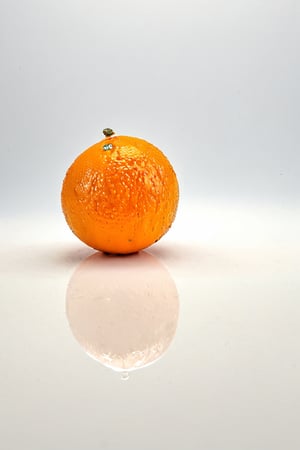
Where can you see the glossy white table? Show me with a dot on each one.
(192, 344)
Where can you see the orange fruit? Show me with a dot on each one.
(120, 195)
(123, 315)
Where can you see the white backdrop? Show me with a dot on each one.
(213, 83)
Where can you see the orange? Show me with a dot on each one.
(120, 195)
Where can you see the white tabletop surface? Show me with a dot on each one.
(203, 329)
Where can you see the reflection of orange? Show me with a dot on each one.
(120, 195)
(123, 310)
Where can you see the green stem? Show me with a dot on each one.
(108, 132)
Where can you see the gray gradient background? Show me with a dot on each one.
(214, 84)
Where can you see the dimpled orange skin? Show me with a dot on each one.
(120, 195)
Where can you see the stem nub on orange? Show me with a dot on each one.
(120, 195)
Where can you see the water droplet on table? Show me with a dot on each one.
(124, 376)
